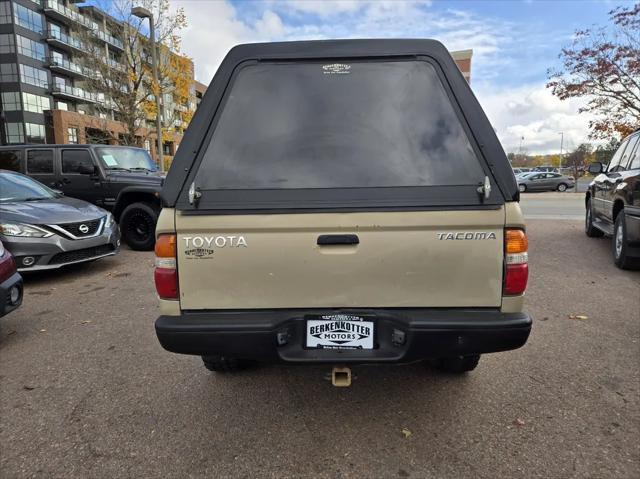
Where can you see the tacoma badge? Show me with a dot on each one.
(467, 235)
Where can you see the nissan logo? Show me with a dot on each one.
(84, 229)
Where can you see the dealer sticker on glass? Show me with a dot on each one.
(339, 331)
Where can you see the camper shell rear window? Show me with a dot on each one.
(362, 133)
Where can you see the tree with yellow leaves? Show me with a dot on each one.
(123, 82)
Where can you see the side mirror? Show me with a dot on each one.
(87, 170)
(596, 168)
(58, 192)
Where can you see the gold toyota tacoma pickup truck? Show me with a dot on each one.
(341, 202)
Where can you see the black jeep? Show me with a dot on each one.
(121, 179)
(613, 202)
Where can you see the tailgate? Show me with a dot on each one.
(402, 259)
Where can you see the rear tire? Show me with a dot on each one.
(224, 364)
(138, 226)
(458, 365)
(619, 245)
(562, 187)
(590, 230)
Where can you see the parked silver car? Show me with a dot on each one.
(542, 181)
(45, 230)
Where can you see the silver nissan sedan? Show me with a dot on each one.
(43, 229)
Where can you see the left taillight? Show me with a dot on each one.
(166, 272)
(516, 259)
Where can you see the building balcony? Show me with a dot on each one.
(110, 39)
(67, 15)
(68, 68)
(109, 104)
(73, 93)
(114, 64)
(64, 41)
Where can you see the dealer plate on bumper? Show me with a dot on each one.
(339, 331)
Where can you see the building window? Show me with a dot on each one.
(147, 145)
(14, 132)
(35, 103)
(34, 76)
(40, 161)
(166, 148)
(60, 105)
(30, 48)
(8, 72)
(72, 136)
(27, 18)
(73, 160)
(6, 43)
(11, 101)
(56, 29)
(34, 132)
(60, 82)
(5, 12)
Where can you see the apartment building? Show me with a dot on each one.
(46, 92)
(463, 60)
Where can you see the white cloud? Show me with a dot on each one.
(214, 28)
(324, 8)
(532, 112)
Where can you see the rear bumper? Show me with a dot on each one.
(279, 335)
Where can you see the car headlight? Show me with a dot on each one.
(110, 220)
(23, 231)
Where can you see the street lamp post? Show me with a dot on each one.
(142, 12)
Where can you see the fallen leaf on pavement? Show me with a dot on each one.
(28, 388)
(43, 330)
(86, 321)
(406, 432)
(519, 422)
(13, 331)
(578, 316)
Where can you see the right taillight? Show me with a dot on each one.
(516, 258)
(166, 273)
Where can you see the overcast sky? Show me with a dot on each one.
(513, 42)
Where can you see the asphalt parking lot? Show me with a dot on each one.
(553, 206)
(86, 390)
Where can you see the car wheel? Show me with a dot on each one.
(619, 245)
(224, 364)
(590, 230)
(458, 365)
(138, 226)
(562, 187)
(522, 188)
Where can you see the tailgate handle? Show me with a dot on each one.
(338, 239)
